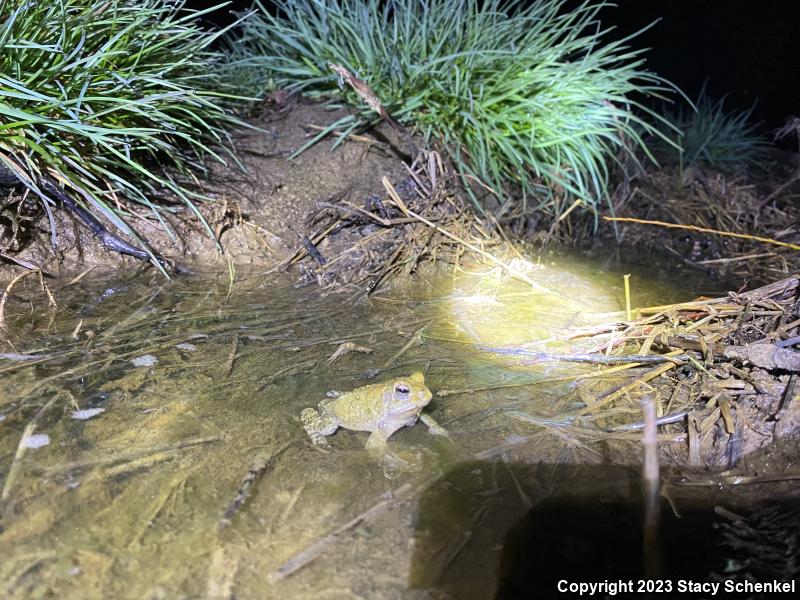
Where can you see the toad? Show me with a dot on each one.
(381, 409)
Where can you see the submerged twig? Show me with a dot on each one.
(653, 373)
(723, 480)
(301, 559)
(80, 465)
(18, 357)
(16, 463)
(257, 469)
(228, 367)
(347, 348)
(415, 339)
(7, 292)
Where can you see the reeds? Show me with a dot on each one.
(713, 137)
(102, 96)
(523, 97)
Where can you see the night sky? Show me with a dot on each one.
(748, 49)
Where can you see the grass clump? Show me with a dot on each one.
(713, 137)
(100, 96)
(519, 93)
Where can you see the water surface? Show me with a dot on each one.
(201, 380)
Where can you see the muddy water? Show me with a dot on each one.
(171, 462)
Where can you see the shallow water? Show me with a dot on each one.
(201, 381)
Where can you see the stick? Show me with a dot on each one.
(513, 273)
(571, 378)
(119, 459)
(594, 359)
(415, 339)
(371, 98)
(650, 480)
(16, 463)
(298, 561)
(25, 263)
(743, 236)
(8, 291)
(627, 279)
(228, 367)
(652, 374)
(257, 469)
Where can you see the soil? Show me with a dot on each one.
(761, 201)
(268, 209)
(260, 211)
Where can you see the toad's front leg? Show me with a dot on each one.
(433, 427)
(379, 450)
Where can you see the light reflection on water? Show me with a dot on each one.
(128, 503)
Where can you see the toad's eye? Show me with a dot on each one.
(402, 391)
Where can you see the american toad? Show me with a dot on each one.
(381, 408)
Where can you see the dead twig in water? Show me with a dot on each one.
(77, 279)
(652, 374)
(347, 348)
(257, 469)
(18, 357)
(564, 426)
(16, 463)
(221, 575)
(303, 367)
(298, 561)
(168, 494)
(729, 480)
(415, 339)
(10, 286)
(80, 465)
(570, 378)
(24, 263)
(226, 370)
(385, 271)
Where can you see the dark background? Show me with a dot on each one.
(748, 49)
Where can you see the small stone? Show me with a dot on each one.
(187, 347)
(515, 439)
(87, 413)
(146, 360)
(36, 441)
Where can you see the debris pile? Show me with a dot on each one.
(728, 383)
